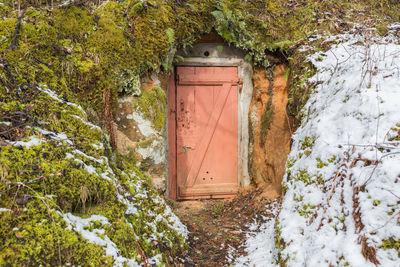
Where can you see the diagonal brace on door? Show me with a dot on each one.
(200, 153)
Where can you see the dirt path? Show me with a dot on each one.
(218, 227)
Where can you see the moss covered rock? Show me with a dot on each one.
(62, 201)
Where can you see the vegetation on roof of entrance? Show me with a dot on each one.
(82, 47)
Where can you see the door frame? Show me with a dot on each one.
(245, 91)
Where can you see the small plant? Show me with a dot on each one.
(308, 142)
(219, 207)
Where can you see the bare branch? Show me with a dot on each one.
(16, 33)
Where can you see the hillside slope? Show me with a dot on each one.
(63, 202)
(66, 197)
(341, 201)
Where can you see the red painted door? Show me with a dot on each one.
(206, 132)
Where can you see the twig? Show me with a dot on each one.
(8, 68)
(380, 145)
(386, 223)
(18, 184)
(390, 192)
(376, 166)
(145, 261)
(331, 192)
(16, 33)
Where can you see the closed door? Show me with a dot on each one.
(206, 132)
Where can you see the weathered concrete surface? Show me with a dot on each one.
(270, 129)
(137, 134)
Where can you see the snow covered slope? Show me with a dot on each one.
(342, 183)
(341, 207)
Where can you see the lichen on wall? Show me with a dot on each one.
(140, 121)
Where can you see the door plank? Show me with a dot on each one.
(207, 190)
(200, 153)
(172, 136)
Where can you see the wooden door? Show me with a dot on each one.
(206, 132)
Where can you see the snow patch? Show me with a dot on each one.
(32, 141)
(260, 243)
(97, 236)
(5, 210)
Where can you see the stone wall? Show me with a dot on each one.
(140, 124)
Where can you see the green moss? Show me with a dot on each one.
(391, 243)
(36, 235)
(266, 120)
(306, 210)
(332, 159)
(308, 143)
(290, 162)
(321, 164)
(67, 172)
(304, 176)
(152, 104)
(285, 188)
(376, 202)
(279, 243)
(146, 143)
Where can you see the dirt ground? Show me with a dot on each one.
(218, 226)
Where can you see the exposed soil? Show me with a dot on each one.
(218, 227)
(271, 128)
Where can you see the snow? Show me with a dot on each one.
(350, 116)
(32, 141)
(91, 125)
(260, 245)
(134, 191)
(5, 210)
(79, 152)
(55, 136)
(53, 95)
(343, 172)
(173, 220)
(97, 236)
